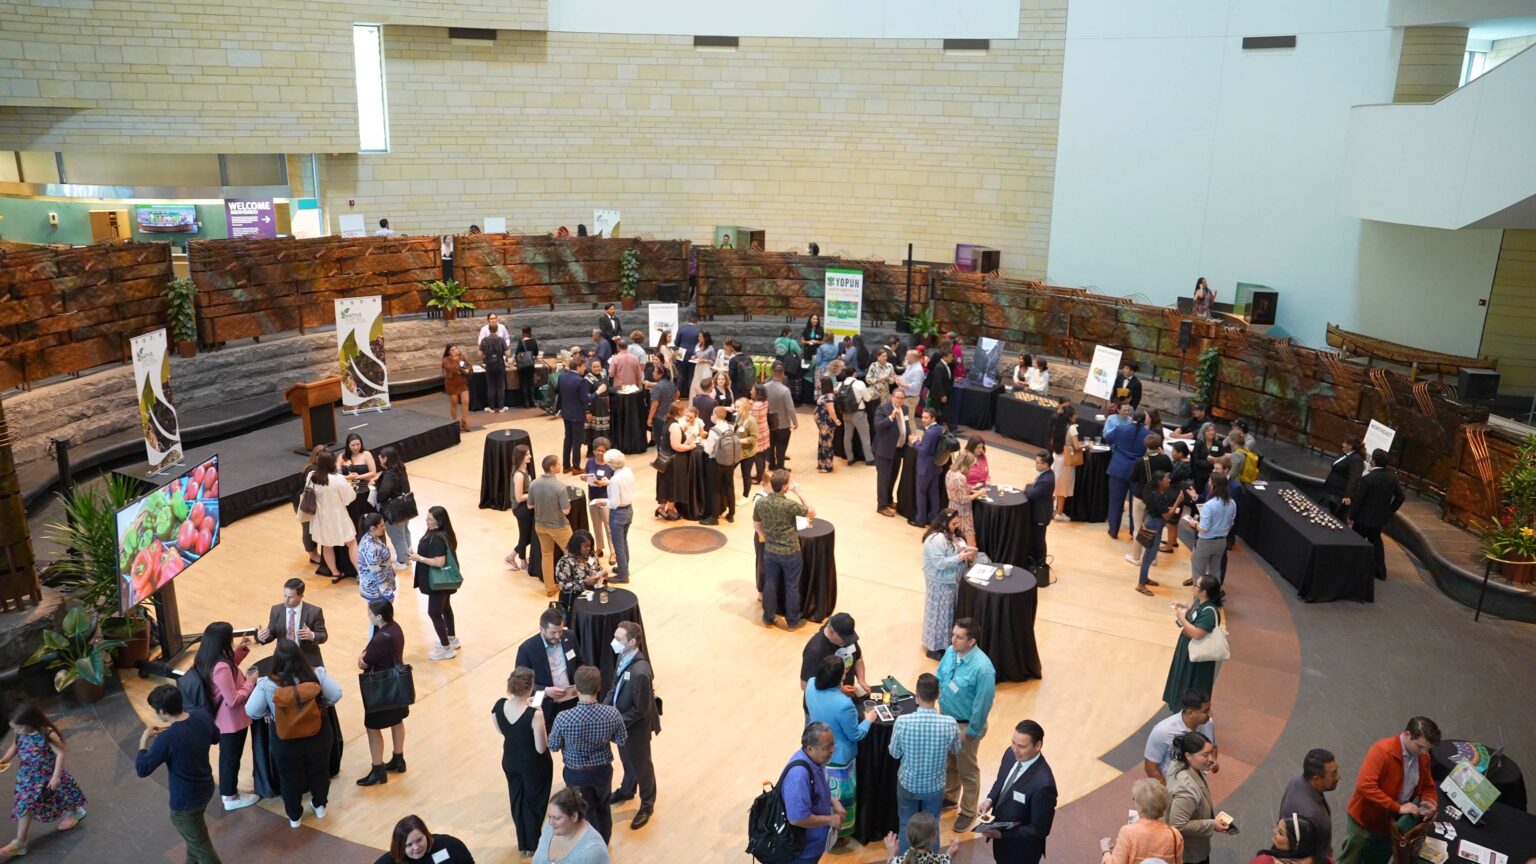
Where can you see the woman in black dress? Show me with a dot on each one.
(522, 475)
(431, 552)
(356, 462)
(524, 355)
(525, 757)
(384, 651)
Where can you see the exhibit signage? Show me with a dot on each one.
(1379, 436)
(605, 223)
(1102, 371)
(360, 354)
(844, 302)
(353, 225)
(495, 225)
(250, 217)
(157, 414)
(663, 320)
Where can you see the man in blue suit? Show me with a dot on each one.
(1023, 798)
(575, 402)
(930, 475)
(1041, 496)
(686, 341)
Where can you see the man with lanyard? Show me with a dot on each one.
(1394, 784)
(634, 696)
(551, 654)
(967, 685)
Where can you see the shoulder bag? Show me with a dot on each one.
(1213, 646)
(307, 499)
(661, 461)
(446, 577)
(1070, 455)
(387, 688)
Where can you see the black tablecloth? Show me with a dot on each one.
(875, 775)
(1324, 564)
(685, 483)
(818, 572)
(978, 405)
(1003, 528)
(627, 430)
(496, 468)
(1006, 611)
(579, 521)
(1028, 421)
(1504, 774)
(906, 484)
(264, 765)
(839, 451)
(593, 623)
(1090, 488)
(479, 391)
(1502, 829)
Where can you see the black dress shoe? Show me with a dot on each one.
(620, 798)
(396, 764)
(640, 819)
(935, 655)
(914, 523)
(376, 775)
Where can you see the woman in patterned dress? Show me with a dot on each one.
(957, 485)
(943, 563)
(44, 790)
(826, 425)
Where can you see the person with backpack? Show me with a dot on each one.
(225, 690)
(722, 451)
(852, 395)
(791, 822)
(494, 348)
(293, 697)
(526, 356)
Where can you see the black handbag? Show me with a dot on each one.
(1146, 536)
(401, 508)
(387, 688)
(661, 462)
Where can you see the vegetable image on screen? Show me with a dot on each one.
(166, 531)
(360, 354)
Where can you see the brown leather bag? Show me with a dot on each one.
(296, 710)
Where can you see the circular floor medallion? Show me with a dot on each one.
(688, 540)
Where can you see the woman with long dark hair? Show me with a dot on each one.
(1204, 298)
(226, 690)
(385, 651)
(303, 763)
(431, 552)
(1218, 519)
(392, 487)
(310, 546)
(45, 791)
(812, 335)
(411, 841)
(922, 838)
(1294, 841)
(1064, 432)
(332, 525)
(1195, 621)
(703, 364)
(456, 371)
(1191, 809)
(526, 358)
(522, 475)
(375, 578)
(525, 758)
(672, 483)
(945, 558)
(826, 424)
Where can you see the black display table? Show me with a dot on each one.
(1324, 564)
(978, 405)
(1004, 529)
(906, 484)
(593, 623)
(1005, 608)
(684, 482)
(264, 765)
(1027, 417)
(875, 774)
(579, 521)
(479, 389)
(818, 570)
(841, 452)
(496, 468)
(1502, 829)
(627, 430)
(1504, 773)
(1090, 487)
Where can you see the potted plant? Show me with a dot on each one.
(181, 315)
(1510, 539)
(89, 573)
(924, 327)
(448, 297)
(1205, 376)
(81, 659)
(132, 628)
(629, 277)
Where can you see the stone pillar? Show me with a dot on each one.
(1430, 64)
(18, 573)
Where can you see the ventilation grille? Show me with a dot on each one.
(967, 44)
(716, 41)
(1253, 43)
(475, 33)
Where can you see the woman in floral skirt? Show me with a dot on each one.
(44, 790)
(826, 425)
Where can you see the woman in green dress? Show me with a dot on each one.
(1194, 621)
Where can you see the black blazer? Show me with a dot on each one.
(637, 698)
(941, 380)
(1131, 386)
(310, 616)
(531, 654)
(1344, 476)
(1037, 785)
(1039, 495)
(887, 441)
(1377, 497)
(609, 327)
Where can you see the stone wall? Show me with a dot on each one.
(737, 282)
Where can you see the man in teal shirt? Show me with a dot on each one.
(967, 684)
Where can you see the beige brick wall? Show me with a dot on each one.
(1430, 64)
(1503, 49)
(1509, 331)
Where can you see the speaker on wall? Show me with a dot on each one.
(1474, 384)
(1186, 330)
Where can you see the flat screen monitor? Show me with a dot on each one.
(167, 531)
(166, 218)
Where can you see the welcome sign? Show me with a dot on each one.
(250, 217)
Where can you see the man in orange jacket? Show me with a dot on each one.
(1395, 773)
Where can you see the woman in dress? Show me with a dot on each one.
(666, 354)
(331, 525)
(525, 758)
(45, 791)
(411, 841)
(393, 484)
(811, 336)
(522, 471)
(881, 375)
(826, 702)
(1209, 447)
(979, 474)
(597, 472)
(922, 840)
(577, 570)
(598, 421)
(568, 838)
(384, 652)
(943, 563)
(760, 417)
(357, 464)
(431, 552)
(1294, 841)
(375, 578)
(226, 689)
(747, 433)
(703, 364)
(1204, 298)
(1195, 622)
(1191, 809)
(525, 356)
(826, 424)
(456, 371)
(961, 493)
(1064, 433)
(672, 478)
(303, 764)
(310, 546)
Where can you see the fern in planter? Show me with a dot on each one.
(181, 314)
(448, 297)
(629, 273)
(923, 325)
(1205, 376)
(88, 529)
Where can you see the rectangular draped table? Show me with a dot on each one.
(978, 405)
(1323, 563)
(1027, 417)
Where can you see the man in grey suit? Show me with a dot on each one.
(294, 619)
(635, 697)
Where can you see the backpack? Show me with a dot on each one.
(949, 445)
(847, 400)
(770, 837)
(728, 451)
(194, 695)
(494, 348)
(1250, 470)
(296, 710)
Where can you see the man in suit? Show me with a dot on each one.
(781, 417)
(551, 654)
(686, 342)
(1377, 497)
(633, 694)
(575, 402)
(294, 619)
(941, 380)
(1127, 386)
(1041, 496)
(608, 325)
(892, 426)
(930, 475)
(1024, 794)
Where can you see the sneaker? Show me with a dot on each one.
(293, 823)
(504, 409)
(238, 802)
(320, 812)
(1062, 517)
(490, 410)
(453, 643)
(1132, 558)
(441, 653)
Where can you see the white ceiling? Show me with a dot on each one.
(1502, 28)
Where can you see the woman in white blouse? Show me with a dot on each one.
(1036, 378)
(331, 525)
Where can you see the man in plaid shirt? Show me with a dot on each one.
(584, 733)
(923, 742)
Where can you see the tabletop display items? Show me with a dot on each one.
(1309, 510)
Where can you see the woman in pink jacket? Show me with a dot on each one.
(226, 689)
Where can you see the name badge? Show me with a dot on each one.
(1019, 797)
(570, 654)
(439, 856)
(953, 687)
(626, 676)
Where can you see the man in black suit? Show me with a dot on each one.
(686, 342)
(1041, 496)
(635, 697)
(551, 654)
(294, 619)
(608, 325)
(1377, 497)
(941, 381)
(1023, 797)
(892, 428)
(1127, 386)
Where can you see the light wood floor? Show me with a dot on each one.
(733, 704)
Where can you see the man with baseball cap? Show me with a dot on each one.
(836, 637)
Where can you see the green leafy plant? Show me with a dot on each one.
(74, 652)
(181, 295)
(923, 325)
(629, 272)
(448, 295)
(1205, 376)
(1511, 536)
(89, 572)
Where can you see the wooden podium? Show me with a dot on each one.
(315, 401)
